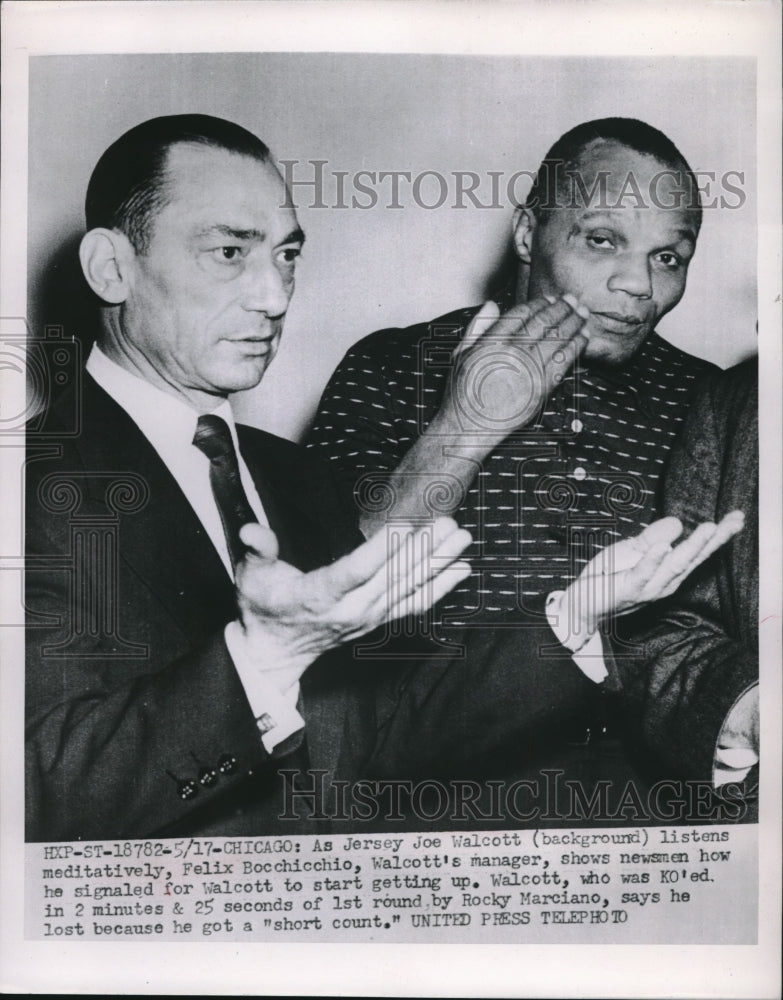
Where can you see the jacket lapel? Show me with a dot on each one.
(164, 542)
(285, 491)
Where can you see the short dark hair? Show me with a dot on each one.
(128, 185)
(569, 148)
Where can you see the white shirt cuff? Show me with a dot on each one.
(736, 752)
(275, 711)
(587, 651)
(733, 764)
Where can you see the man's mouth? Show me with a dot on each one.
(255, 342)
(621, 323)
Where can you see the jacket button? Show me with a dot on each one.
(227, 764)
(187, 790)
(207, 776)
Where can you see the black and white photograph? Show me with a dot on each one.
(391, 548)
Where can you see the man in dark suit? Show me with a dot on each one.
(690, 679)
(174, 592)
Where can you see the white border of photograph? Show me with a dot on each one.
(687, 29)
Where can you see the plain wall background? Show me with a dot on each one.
(365, 269)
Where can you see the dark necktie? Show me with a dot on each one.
(214, 439)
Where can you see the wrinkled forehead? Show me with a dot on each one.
(205, 180)
(611, 177)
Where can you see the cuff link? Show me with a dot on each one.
(265, 722)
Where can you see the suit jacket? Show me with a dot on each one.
(137, 723)
(686, 668)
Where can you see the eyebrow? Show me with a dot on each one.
(686, 233)
(295, 236)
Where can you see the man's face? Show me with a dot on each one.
(626, 264)
(206, 302)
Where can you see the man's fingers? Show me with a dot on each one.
(541, 320)
(393, 554)
(448, 539)
(555, 322)
(727, 528)
(665, 530)
(520, 318)
(449, 550)
(637, 577)
(658, 566)
(479, 325)
(646, 568)
(442, 538)
(627, 553)
(365, 562)
(422, 557)
(560, 322)
(704, 541)
(421, 599)
(422, 553)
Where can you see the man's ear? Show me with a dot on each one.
(523, 226)
(107, 259)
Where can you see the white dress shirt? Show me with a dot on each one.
(169, 424)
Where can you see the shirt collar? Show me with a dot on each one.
(628, 378)
(164, 420)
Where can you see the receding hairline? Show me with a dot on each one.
(208, 148)
(194, 143)
(125, 189)
(164, 187)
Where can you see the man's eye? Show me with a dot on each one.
(227, 253)
(600, 242)
(669, 259)
(290, 254)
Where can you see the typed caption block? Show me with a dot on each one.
(635, 886)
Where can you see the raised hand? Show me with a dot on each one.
(629, 574)
(507, 366)
(289, 618)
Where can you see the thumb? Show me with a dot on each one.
(479, 325)
(260, 541)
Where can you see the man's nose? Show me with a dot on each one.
(632, 275)
(266, 288)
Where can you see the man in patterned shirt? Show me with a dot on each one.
(544, 431)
